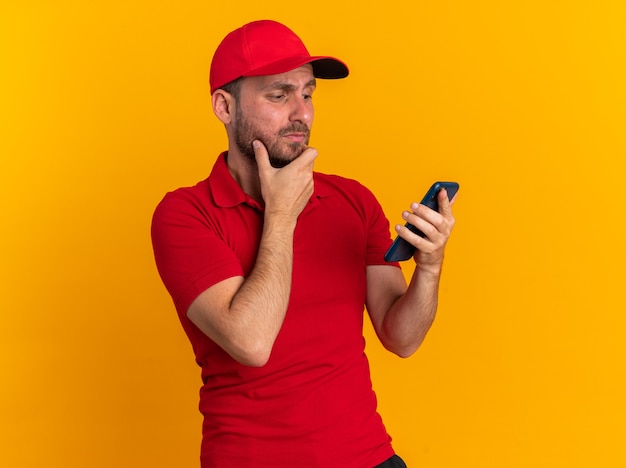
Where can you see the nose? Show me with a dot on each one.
(302, 110)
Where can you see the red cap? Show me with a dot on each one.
(266, 48)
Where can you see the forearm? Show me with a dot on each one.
(258, 309)
(410, 315)
(409, 318)
(244, 315)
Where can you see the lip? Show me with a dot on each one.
(299, 137)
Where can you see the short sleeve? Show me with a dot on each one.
(378, 238)
(189, 254)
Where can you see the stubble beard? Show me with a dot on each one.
(280, 152)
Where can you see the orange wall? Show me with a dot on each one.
(105, 106)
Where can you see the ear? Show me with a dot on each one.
(223, 106)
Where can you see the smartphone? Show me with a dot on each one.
(401, 250)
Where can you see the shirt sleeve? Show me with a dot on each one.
(378, 234)
(189, 254)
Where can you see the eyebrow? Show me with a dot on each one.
(282, 85)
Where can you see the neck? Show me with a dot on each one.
(245, 173)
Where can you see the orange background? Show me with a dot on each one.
(105, 107)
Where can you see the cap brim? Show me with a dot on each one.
(323, 67)
(329, 68)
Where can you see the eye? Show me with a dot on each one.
(277, 97)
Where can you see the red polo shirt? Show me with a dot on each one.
(312, 404)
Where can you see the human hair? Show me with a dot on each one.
(233, 87)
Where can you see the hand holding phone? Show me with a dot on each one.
(401, 250)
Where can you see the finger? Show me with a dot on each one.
(261, 155)
(430, 222)
(408, 235)
(426, 213)
(425, 220)
(307, 157)
(445, 204)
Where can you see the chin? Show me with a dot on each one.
(280, 162)
(284, 159)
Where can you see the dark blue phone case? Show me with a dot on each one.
(400, 249)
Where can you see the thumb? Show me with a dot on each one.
(261, 155)
(444, 203)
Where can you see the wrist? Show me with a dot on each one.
(428, 270)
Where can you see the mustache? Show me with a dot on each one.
(295, 128)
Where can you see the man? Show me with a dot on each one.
(270, 266)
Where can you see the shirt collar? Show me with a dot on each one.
(227, 192)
